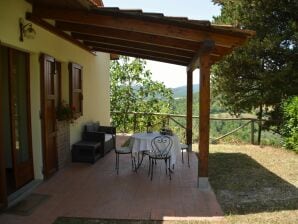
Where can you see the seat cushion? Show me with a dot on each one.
(87, 144)
(158, 156)
(184, 146)
(92, 126)
(123, 150)
(108, 137)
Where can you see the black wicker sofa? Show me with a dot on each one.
(96, 141)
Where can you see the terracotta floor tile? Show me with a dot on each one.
(96, 191)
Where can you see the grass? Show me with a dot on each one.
(255, 184)
(68, 220)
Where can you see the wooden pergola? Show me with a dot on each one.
(176, 40)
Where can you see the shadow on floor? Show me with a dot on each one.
(244, 186)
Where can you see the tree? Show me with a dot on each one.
(133, 90)
(290, 123)
(260, 75)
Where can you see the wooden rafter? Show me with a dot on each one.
(114, 56)
(56, 31)
(137, 25)
(92, 40)
(139, 40)
(206, 48)
(141, 50)
(74, 4)
(128, 35)
(169, 60)
(140, 34)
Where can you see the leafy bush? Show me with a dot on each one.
(290, 126)
(133, 90)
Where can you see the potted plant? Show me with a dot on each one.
(65, 112)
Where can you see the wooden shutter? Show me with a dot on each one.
(76, 88)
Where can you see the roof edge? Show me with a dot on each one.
(96, 3)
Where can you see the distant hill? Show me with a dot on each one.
(181, 90)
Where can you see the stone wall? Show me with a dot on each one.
(63, 144)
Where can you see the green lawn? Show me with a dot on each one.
(255, 184)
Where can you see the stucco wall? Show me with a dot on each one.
(96, 103)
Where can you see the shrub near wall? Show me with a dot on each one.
(290, 127)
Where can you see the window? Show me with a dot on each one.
(76, 88)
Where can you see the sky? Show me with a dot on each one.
(171, 75)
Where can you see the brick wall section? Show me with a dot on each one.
(63, 144)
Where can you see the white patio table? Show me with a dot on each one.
(141, 142)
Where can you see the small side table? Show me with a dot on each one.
(85, 151)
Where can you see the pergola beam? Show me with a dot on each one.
(98, 18)
(55, 31)
(165, 44)
(139, 47)
(123, 35)
(144, 56)
(207, 47)
(138, 51)
(114, 56)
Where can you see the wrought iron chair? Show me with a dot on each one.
(161, 150)
(125, 149)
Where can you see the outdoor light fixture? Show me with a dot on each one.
(26, 30)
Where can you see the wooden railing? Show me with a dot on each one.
(173, 118)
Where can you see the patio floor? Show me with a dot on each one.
(96, 191)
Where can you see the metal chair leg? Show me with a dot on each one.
(188, 158)
(117, 161)
(133, 164)
(149, 167)
(152, 166)
(170, 168)
(134, 161)
(166, 162)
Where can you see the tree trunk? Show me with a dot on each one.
(260, 124)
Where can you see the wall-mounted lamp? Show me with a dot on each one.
(26, 30)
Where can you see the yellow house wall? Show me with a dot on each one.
(96, 103)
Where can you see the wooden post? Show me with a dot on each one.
(205, 64)
(3, 190)
(252, 140)
(259, 131)
(189, 109)
(260, 116)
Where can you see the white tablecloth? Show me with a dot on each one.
(142, 142)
